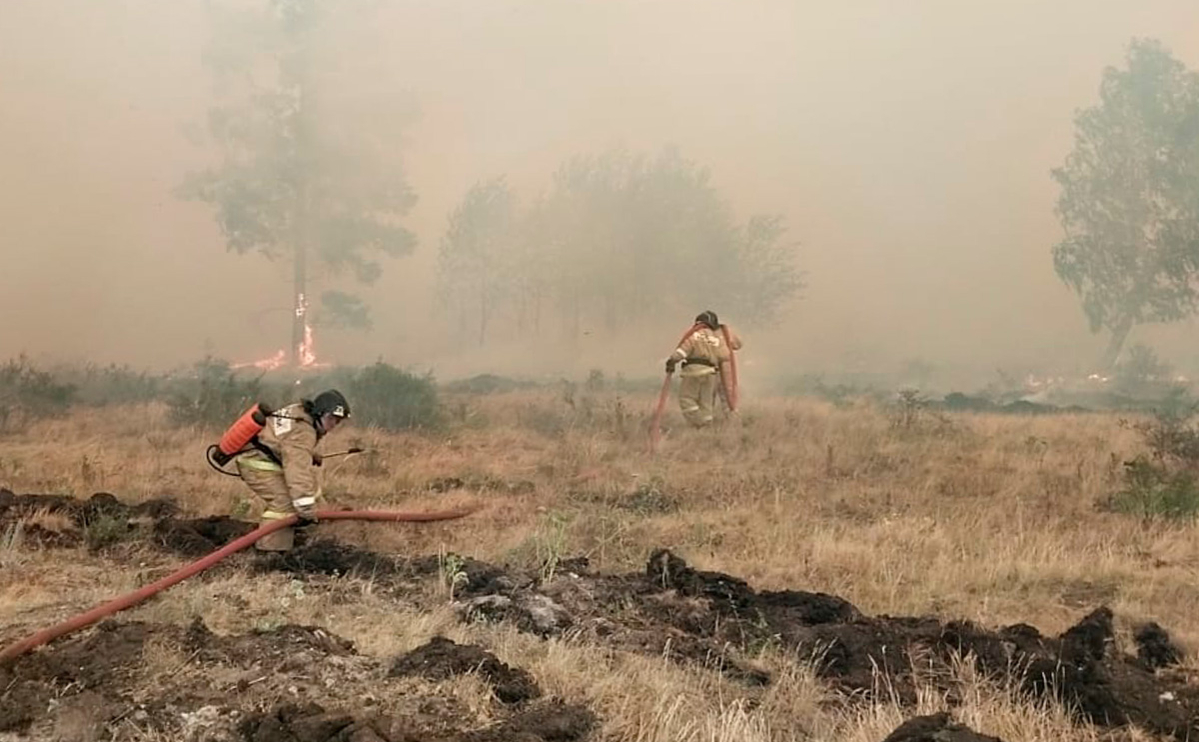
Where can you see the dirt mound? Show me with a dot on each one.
(199, 536)
(82, 664)
(102, 520)
(328, 557)
(214, 688)
(81, 512)
(1155, 648)
(551, 722)
(441, 659)
(936, 728)
(719, 621)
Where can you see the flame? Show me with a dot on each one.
(305, 351)
(279, 360)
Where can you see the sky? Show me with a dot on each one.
(908, 145)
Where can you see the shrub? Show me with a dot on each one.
(28, 393)
(213, 394)
(1171, 435)
(1152, 491)
(393, 399)
(114, 385)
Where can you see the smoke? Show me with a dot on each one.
(908, 146)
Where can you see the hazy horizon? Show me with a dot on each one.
(907, 146)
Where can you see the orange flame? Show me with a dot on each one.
(307, 354)
(279, 360)
(305, 351)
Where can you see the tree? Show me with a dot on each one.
(305, 173)
(630, 237)
(474, 276)
(1129, 201)
(619, 238)
(763, 277)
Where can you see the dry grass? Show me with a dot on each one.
(989, 518)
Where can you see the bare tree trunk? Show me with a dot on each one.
(299, 317)
(302, 235)
(576, 319)
(537, 313)
(1116, 344)
(483, 310)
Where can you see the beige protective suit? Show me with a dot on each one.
(290, 435)
(703, 355)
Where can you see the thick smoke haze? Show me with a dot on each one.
(908, 146)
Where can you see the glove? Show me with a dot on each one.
(306, 512)
(670, 364)
(317, 459)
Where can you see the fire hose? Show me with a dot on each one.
(46, 635)
(729, 384)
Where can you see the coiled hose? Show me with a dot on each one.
(46, 635)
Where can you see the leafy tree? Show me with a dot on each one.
(305, 174)
(763, 277)
(618, 238)
(475, 275)
(1129, 200)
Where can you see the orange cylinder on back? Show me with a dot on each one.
(243, 431)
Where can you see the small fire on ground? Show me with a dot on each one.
(305, 351)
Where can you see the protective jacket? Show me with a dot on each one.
(703, 352)
(279, 470)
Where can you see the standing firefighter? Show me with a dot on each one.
(706, 353)
(279, 466)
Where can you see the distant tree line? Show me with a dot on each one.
(619, 238)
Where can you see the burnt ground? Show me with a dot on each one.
(290, 684)
(719, 620)
(936, 728)
(102, 520)
(442, 659)
(669, 609)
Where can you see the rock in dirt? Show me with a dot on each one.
(936, 728)
(531, 612)
(441, 659)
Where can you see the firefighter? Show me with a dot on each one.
(279, 468)
(705, 356)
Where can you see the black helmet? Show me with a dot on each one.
(330, 402)
(708, 318)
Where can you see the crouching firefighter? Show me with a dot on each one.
(706, 354)
(278, 461)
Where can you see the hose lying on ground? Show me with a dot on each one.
(16, 649)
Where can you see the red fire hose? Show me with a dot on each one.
(730, 382)
(13, 651)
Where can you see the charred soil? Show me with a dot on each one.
(304, 683)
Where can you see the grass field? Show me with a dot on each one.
(989, 518)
